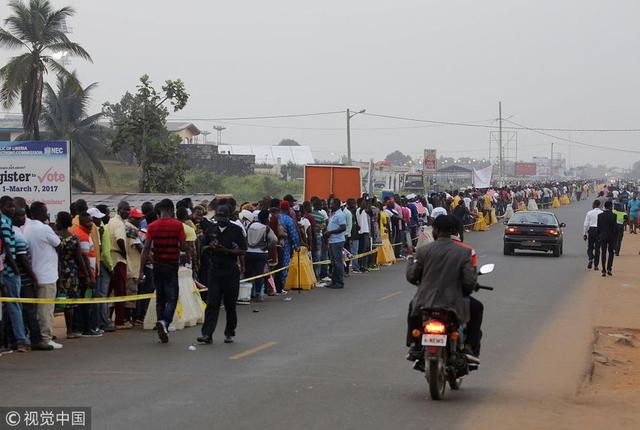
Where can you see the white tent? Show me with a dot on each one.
(265, 154)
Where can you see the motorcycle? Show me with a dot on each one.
(443, 341)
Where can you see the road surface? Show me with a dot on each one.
(326, 359)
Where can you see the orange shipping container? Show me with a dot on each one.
(342, 181)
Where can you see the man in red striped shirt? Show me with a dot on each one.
(166, 238)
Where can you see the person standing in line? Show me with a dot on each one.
(86, 314)
(335, 235)
(134, 253)
(118, 235)
(364, 234)
(44, 242)
(223, 244)
(100, 219)
(259, 239)
(607, 235)
(590, 235)
(621, 225)
(320, 253)
(347, 235)
(291, 242)
(632, 208)
(11, 275)
(354, 234)
(28, 281)
(167, 238)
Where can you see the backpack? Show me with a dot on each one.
(262, 242)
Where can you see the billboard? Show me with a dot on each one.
(526, 169)
(343, 182)
(429, 162)
(37, 171)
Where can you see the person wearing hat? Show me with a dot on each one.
(104, 266)
(134, 252)
(81, 206)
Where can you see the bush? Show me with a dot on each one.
(244, 188)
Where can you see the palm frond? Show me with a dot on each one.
(63, 43)
(20, 22)
(13, 76)
(9, 41)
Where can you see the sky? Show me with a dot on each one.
(554, 64)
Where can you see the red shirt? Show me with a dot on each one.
(165, 235)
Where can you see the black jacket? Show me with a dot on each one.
(607, 226)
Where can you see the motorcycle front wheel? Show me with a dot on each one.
(437, 380)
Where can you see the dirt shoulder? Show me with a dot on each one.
(583, 371)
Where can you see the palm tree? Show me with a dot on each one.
(38, 28)
(65, 117)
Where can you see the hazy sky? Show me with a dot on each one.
(562, 64)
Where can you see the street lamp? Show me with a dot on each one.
(219, 129)
(349, 116)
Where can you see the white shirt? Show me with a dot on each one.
(239, 224)
(363, 221)
(591, 220)
(438, 211)
(44, 257)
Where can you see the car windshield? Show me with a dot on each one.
(533, 218)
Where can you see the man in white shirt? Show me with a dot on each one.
(364, 234)
(591, 235)
(43, 242)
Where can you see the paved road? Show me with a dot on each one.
(326, 359)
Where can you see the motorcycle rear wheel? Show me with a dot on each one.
(437, 380)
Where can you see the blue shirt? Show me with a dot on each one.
(634, 206)
(293, 240)
(338, 219)
(8, 237)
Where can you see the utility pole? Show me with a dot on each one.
(348, 138)
(349, 116)
(551, 163)
(501, 167)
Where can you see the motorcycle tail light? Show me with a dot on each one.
(432, 349)
(434, 327)
(415, 333)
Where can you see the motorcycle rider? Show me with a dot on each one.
(445, 273)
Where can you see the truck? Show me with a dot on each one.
(413, 183)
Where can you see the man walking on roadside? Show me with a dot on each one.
(167, 238)
(336, 236)
(43, 242)
(607, 235)
(591, 235)
(632, 207)
(621, 224)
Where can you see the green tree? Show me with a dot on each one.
(65, 117)
(398, 158)
(38, 28)
(288, 142)
(140, 122)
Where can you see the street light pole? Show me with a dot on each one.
(349, 116)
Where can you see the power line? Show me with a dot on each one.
(341, 129)
(296, 115)
(587, 145)
(471, 124)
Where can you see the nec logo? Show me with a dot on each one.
(52, 150)
(50, 176)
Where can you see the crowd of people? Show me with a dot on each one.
(98, 252)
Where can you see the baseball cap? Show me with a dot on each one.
(95, 213)
(135, 213)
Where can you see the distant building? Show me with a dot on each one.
(273, 155)
(186, 130)
(11, 127)
(454, 175)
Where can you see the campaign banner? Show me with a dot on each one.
(482, 177)
(37, 171)
(526, 169)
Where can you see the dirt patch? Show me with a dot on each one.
(586, 375)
